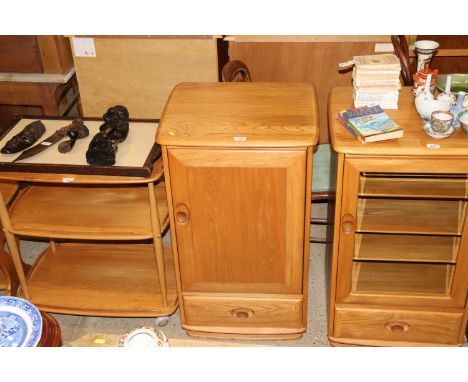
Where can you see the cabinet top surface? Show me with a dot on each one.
(414, 140)
(240, 114)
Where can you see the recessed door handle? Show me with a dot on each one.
(347, 224)
(243, 313)
(397, 327)
(181, 214)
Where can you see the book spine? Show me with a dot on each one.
(361, 112)
(376, 72)
(375, 83)
(378, 88)
(355, 133)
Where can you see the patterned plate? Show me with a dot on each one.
(146, 336)
(427, 129)
(20, 323)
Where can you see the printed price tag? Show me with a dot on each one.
(84, 47)
(433, 146)
(240, 138)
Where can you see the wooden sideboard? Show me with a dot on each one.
(400, 250)
(238, 166)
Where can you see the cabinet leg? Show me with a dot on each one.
(16, 257)
(53, 246)
(157, 243)
(159, 252)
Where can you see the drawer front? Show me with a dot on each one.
(244, 314)
(397, 325)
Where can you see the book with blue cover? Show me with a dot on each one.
(370, 124)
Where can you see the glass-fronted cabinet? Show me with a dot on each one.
(402, 251)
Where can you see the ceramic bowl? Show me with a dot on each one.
(146, 336)
(463, 119)
(426, 107)
(459, 83)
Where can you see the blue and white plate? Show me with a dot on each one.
(20, 323)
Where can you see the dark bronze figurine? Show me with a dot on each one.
(25, 138)
(77, 131)
(103, 147)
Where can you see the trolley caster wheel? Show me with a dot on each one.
(161, 321)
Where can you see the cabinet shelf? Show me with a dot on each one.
(407, 278)
(111, 212)
(102, 279)
(416, 187)
(433, 217)
(410, 248)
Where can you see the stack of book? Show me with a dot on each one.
(376, 80)
(369, 124)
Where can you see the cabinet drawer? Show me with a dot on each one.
(244, 314)
(397, 325)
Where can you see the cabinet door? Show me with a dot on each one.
(239, 219)
(402, 235)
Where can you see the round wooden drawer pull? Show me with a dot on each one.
(397, 327)
(243, 313)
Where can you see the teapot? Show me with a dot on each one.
(426, 104)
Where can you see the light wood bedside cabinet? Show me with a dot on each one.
(400, 253)
(238, 166)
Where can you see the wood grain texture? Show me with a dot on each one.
(140, 72)
(240, 114)
(313, 62)
(405, 278)
(244, 315)
(112, 212)
(367, 323)
(56, 54)
(102, 279)
(416, 248)
(232, 242)
(414, 141)
(438, 217)
(20, 54)
(307, 38)
(417, 187)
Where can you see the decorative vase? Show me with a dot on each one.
(420, 78)
(455, 109)
(425, 50)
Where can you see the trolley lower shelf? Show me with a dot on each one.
(102, 280)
